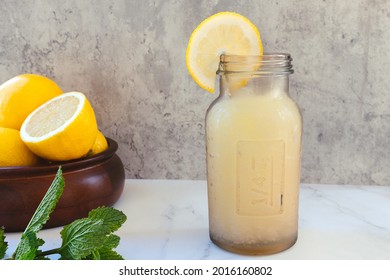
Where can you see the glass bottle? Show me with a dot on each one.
(253, 134)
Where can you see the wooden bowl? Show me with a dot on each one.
(89, 182)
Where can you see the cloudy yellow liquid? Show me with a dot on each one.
(253, 171)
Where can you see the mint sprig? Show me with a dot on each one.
(87, 238)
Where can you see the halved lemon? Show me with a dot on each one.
(63, 128)
(222, 33)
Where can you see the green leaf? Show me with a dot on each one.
(28, 246)
(112, 218)
(94, 256)
(3, 244)
(48, 203)
(91, 238)
(105, 252)
(111, 242)
(81, 238)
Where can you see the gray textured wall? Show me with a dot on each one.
(128, 57)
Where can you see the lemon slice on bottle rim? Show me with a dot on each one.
(222, 33)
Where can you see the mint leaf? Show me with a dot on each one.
(28, 246)
(112, 218)
(105, 252)
(91, 238)
(81, 238)
(48, 203)
(3, 244)
(111, 242)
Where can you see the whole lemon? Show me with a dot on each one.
(100, 144)
(13, 152)
(21, 95)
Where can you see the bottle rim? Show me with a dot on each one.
(268, 64)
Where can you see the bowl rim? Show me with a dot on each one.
(70, 165)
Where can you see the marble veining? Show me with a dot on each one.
(167, 219)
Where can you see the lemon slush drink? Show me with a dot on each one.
(253, 158)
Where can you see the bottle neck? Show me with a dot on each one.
(268, 64)
(257, 75)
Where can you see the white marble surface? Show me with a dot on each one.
(167, 219)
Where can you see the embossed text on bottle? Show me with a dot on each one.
(260, 177)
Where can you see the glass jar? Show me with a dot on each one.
(253, 134)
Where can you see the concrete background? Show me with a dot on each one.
(128, 57)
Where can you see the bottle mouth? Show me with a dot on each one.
(268, 64)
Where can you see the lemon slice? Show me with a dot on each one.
(222, 33)
(61, 129)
